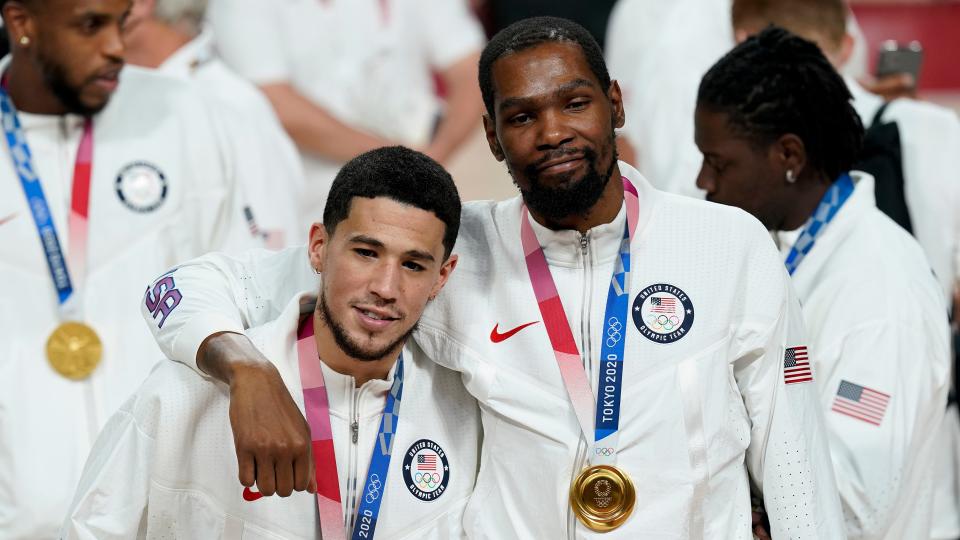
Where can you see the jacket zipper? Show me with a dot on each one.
(352, 467)
(586, 357)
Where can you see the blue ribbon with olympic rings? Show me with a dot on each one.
(607, 425)
(23, 163)
(374, 486)
(829, 205)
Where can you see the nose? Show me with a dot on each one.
(112, 45)
(385, 282)
(705, 179)
(554, 131)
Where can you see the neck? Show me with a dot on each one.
(604, 211)
(28, 90)
(803, 201)
(153, 43)
(337, 360)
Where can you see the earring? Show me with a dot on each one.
(315, 271)
(790, 178)
(24, 41)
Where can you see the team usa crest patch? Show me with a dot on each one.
(141, 186)
(663, 313)
(426, 470)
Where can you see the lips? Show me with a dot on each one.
(374, 318)
(561, 163)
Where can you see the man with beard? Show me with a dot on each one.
(590, 299)
(106, 179)
(395, 436)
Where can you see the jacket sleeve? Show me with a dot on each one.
(111, 497)
(222, 293)
(788, 458)
(878, 441)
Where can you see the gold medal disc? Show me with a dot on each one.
(74, 350)
(602, 497)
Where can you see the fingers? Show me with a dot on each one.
(301, 472)
(284, 471)
(266, 475)
(247, 468)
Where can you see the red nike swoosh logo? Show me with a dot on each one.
(8, 218)
(251, 495)
(497, 337)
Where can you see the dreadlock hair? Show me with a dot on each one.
(776, 83)
(528, 33)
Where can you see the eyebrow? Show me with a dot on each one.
(412, 253)
(563, 89)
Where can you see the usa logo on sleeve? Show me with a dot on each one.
(426, 470)
(663, 313)
(796, 365)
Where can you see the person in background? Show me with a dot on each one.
(170, 36)
(347, 76)
(396, 436)
(661, 51)
(110, 175)
(779, 136)
(923, 193)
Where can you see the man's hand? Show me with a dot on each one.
(271, 436)
(893, 86)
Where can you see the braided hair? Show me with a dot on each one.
(528, 33)
(776, 83)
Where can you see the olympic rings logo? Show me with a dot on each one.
(603, 451)
(613, 331)
(426, 480)
(663, 323)
(373, 488)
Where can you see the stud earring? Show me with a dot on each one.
(24, 41)
(790, 178)
(315, 271)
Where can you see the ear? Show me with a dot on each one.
(316, 245)
(789, 154)
(616, 101)
(19, 22)
(490, 128)
(445, 272)
(845, 51)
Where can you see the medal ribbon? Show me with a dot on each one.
(317, 407)
(565, 346)
(79, 207)
(829, 205)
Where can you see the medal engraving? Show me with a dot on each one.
(74, 350)
(602, 497)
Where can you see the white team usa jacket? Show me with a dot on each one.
(705, 400)
(165, 465)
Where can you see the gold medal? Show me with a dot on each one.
(602, 497)
(74, 350)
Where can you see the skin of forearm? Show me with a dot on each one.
(314, 129)
(223, 355)
(464, 107)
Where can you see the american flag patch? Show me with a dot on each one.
(426, 462)
(796, 365)
(660, 304)
(860, 402)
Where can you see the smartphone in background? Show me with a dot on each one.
(900, 58)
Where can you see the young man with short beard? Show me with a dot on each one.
(108, 176)
(394, 435)
(591, 298)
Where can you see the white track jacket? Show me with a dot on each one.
(703, 405)
(165, 465)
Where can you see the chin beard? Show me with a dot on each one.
(573, 197)
(67, 95)
(347, 344)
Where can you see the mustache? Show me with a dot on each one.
(589, 154)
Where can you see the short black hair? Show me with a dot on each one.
(529, 33)
(403, 175)
(776, 83)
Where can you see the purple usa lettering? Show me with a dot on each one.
(162, 299)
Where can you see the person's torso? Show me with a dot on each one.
(678, 383)
(156, 176)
